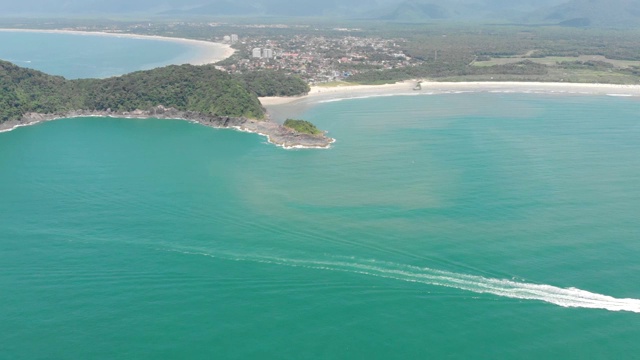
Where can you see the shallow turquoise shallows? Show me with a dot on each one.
(446, 226)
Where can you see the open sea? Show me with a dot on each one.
(452, 226)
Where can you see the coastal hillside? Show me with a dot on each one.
(273, 83)
(24, 90)
(201, 89)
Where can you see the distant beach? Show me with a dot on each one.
(326, 93)
(212, 52)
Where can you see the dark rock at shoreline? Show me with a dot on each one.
(276, 133)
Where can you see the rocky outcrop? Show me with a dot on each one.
(276, 133)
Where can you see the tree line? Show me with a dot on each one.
(202, 89)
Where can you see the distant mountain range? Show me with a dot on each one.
(591, 13)
(613, 13)
(601, 13)
(417, 10)
(273, 8)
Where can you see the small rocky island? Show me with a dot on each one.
(201, 94)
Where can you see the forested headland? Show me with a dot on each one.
(201, 89)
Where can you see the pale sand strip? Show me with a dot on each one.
(212, 52)
(319, 93)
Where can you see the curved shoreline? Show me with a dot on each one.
(275, 133)
(319, 94)
(212, 48)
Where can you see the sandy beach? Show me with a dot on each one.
(320, 93)
(211, 52)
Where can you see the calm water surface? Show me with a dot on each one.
(88, 56)
(446, 226)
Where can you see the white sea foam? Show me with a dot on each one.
(332, 100)
(412, 93)
(372, 96)
(286, 147)
(565, 297)
(17, 126)
(620, 95)
(237, 128)
(302, 147)
(458, 92)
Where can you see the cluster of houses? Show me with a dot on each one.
(319, 59)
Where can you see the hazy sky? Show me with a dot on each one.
(111, 5)
(119, 6)
(597, 12)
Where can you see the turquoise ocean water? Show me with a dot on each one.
(88, 56)
(446, 226)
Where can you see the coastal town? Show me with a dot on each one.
(316, 58)
(315, 54)
(324, 53)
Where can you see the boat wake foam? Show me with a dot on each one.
(565, 297)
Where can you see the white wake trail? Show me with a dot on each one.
(565, 297)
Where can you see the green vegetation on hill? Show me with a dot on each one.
(302, 126)
(196, 88)
(274, 83)
(23, 90)
(200, 89)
